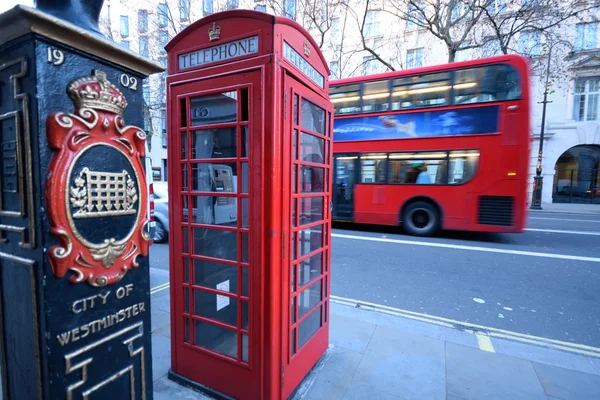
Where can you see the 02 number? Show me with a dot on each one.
(129, 81)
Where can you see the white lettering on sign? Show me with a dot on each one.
(222, 52)
(295, 58)
(222, 301)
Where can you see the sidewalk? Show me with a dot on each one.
(568, 208)
(375, 355)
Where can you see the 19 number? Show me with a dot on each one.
(129, 81)
(55, 56)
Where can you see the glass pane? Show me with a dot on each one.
(215, 275)
(186, 330)
(293, 276)
(215, 243)
(489, 83)
(420, 168)
(214, 109)
(216, 307)
(293, 310)
(215, 338)
(295, 144)
(215, 210)
(312, 117)
(312, 148)
(244, 204)
(184, 209)
(311, 210)
(245, 282)
(421, 91)
(293, 341)
(244, 104)
(184, 145)
(245, 315)
(182, 102)
(186, 247)
(325, 312)
(245, 138)
(463, 165)
(186, 270)
(311, 239)
(295, 110)
(376, 96)
(345, 99)
(312, 179)
(186, 300)
(215, 177)
(309, 327)
(184, 178)
(373, 168)
(294, 210)
(245, 247)
(310, 269)
(214, 143)
(244, 177)
(294, 178)
(244, 348)
(294, 253)
(309, 298)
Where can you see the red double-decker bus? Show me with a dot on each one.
(441, 147)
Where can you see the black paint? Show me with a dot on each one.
(31, 346)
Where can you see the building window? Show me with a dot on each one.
(146, 94)
(144, 46)
(260, 7)
(530, 43)
(124, 26)
(416, 17)
(163, 125)
(370, 65)
(334, 67)
(336, 36)
(208, 7)
(372, 23)
(497, 6)
(585, 107)
(143, 21)
(414, 58)
(164, 164)
(163, 38)
(163, 15)
(184, 10)
(586, 36)
(289, 8)
(233, 4)
(457, 11)
(125, 43)
(491, 48)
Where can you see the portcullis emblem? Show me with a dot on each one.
(95, 191)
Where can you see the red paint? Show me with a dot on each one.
(271, 81)
(500, 154)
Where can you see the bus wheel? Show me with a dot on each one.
(421, 219)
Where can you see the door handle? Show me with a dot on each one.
(512, 108)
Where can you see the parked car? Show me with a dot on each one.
(150, 187)
(161, 212)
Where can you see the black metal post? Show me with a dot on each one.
(538, 179)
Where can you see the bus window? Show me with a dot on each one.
(346, 99)
(484, 84)
(372, 168)
(420, 168)
(463, 164)
(429, 90)
(376, 96)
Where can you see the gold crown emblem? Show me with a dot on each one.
(214, 32)
(96, 92)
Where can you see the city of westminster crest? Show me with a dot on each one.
(96, 194)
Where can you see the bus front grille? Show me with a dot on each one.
(496, 210)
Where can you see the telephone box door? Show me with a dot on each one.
(307, 134)
(214, 228)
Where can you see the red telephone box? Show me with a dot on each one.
(250, 125)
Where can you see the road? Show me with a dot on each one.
(544, 282)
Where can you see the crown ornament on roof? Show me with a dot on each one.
(215, 32)
(96, 92)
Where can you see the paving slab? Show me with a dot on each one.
(161, 356)
(335, 377)
(159, 319)
(359, 391)
(404, 364)
(473, 374)
(567, 384)
(350, 333)
(165, 389)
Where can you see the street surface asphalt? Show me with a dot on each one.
(544, 282)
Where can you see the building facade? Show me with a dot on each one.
(370, 36)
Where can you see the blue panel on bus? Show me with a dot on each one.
(462, 121)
